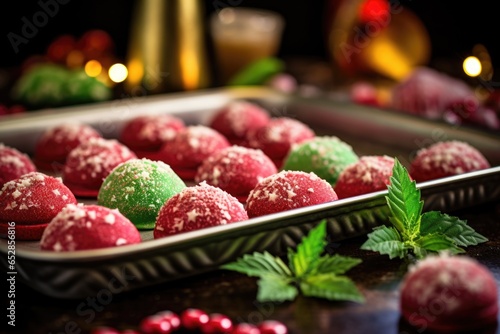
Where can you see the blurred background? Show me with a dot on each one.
(324, 44)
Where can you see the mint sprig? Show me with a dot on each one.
(309, 272)
(414, 232)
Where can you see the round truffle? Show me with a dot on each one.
(55, 144)
(138, 188)
(89, 163)
(80, 227)
(449, 294)
(145, 135)
(277, 137)
(31, 202)
(288, 190)
(187, 150)
(13, 164)
(324, 156)
(369, 174)
(446, 159)
(236, 118)
(198, 207)
(236, 169)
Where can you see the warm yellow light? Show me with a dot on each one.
(472, 66)
(118, 72)
(93, 68)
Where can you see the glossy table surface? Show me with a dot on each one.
(234, 294)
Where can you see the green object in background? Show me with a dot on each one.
(50, 85)
(258, 72)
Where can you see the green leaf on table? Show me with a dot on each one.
(331, 287)
(385, 240)
(309, 272)
(277, 289)
(450, 226)
(308, 251)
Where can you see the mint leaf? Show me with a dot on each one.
(308, 251)
(385, 240)
(438, 242)
(335, 264)
(259, 265)
(276, 289)
(331, 287)
(450, 226)
(404, 202)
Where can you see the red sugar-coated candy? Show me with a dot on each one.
(236, 118)
(89, 163)
(192, 318)
(244, 328)
(187, 150)
(236, 169)
(446, 158)
(369, 174)
(80, 227)
(288, 190)
(13, 164)
(277, 137)
(156, 325)
(31, 201)
(198, 207)
(55, 144)
(145, 135)
(272, 327)
(449, 294)
(217, 324)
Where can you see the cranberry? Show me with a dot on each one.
(171, 317)
(272, 327)
(245, 328)
(217, 323)
(155, 325)
(104, 330)
(129, 331)
(193, 318)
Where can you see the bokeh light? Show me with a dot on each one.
(472, 66)
(118, 72)
(93, 68)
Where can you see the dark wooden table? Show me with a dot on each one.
(234, 294)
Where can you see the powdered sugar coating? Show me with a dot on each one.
(326, 156)
(89, 163)
(56, 143)
(446, 159)
(198, 207)
(32, 199)
(237, 118)
(450, 294)
(13, 164)
(150, 132)
(288, 190)
(187, 150)
(139, 188)
(369, 174)
(276, 138)
(236, 169)
(79, 227)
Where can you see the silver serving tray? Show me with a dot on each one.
(370, 131)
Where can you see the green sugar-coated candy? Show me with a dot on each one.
(138, 189)
(326, 156)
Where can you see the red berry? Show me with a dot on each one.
(171, 317)
(155, 325)
(272, 327)
(217, 323)
(245, 328)
(104, 330)
(193, 318)
(129, 331)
